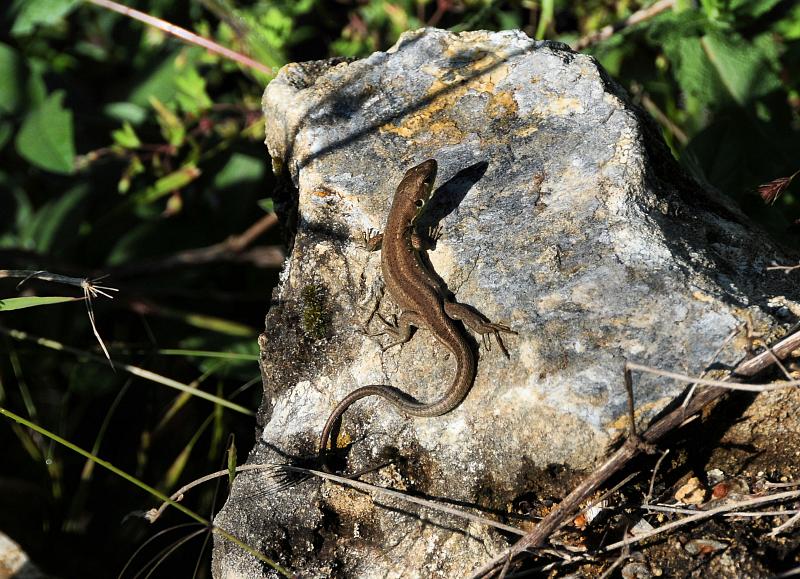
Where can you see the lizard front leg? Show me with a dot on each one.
(402, 329)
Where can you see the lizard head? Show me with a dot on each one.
(417, 185)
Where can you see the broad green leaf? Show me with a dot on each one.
(46, 137)
(9, 210)
(15, 213)
(11, 85)
(8, 304)
(714, 9)
(33, 13)
(239, 169)
(715, 65)
(161, 80)
(742, 67)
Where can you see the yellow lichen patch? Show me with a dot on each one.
(343, 440)
(443, 95)
(422, 121)
(563, 106)
(702, 297)
(345, 500)
(322, 193)
(525, 131)
(502, 104)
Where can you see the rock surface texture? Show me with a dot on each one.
(563, 216)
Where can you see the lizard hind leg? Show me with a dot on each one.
(478, 323)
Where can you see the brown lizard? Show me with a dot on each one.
(422, 302)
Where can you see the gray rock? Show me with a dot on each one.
(563, 215)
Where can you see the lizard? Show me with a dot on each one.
(423, 303)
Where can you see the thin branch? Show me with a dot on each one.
(787, 269)
(792, 521)
(786, 485)
(231, 249)
(649, 495)
(660, 116)
(686, 511)
(633, 447)
(184, 35)
(608, 31)
(784, 496)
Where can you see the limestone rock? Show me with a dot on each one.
(563, 215)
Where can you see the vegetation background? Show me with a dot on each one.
(129, 153)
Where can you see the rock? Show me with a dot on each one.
(691, 493)
(15, 563)
(563, 215)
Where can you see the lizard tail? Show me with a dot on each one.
(395, 396)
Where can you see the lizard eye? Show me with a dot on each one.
(419, 203)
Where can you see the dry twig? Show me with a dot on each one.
(633, 447)
(608, 31)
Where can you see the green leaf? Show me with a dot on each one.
(161, 80)
(11, 87)
(546, 17)
(742, 67)
(192, 96)
(239, 170)
(714, 64)
(268, 205)
(33, 13)
(129, 112)
(752, 8)
(789, 27)
(46, 137)
(169, 183)
(6, 305)
(172, 128)
(15, 213)
(126, 137)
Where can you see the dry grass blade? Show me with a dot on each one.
(280, 470)
(718, 383)
(88, 286)
(91, 291)
(184, 34)
(784, 496)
